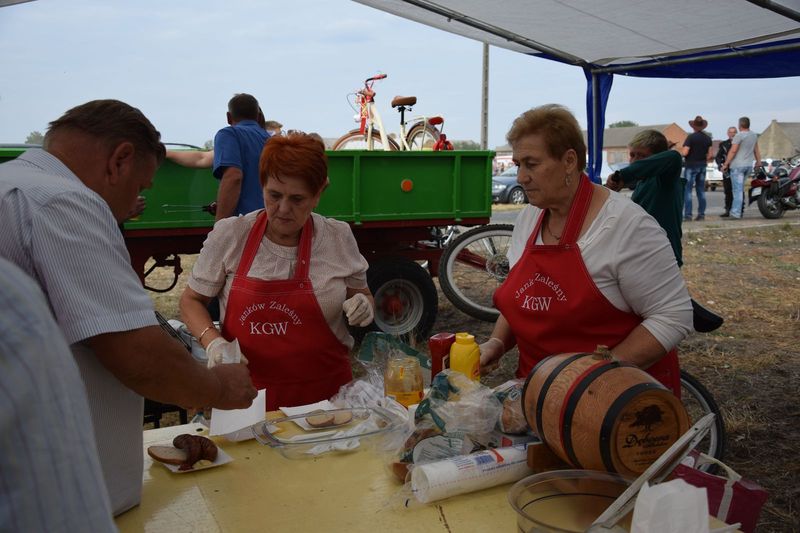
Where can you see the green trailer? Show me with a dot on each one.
(402, 206)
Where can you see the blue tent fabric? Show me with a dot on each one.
(598, 89)
(769, 62)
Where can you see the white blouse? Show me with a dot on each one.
(629, 257)
(336, 264)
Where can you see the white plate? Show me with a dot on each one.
(756, 191)
(222, 458)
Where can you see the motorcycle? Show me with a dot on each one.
(778, 191)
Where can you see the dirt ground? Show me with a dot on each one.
(751, 276)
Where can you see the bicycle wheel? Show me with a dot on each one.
(699, 402)
(472, 266)
(355, 140)
(422, 136)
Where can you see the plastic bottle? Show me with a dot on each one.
(465, 356)
(439, 347)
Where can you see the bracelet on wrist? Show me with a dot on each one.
(200, 337)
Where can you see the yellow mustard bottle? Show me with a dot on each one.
(465, 356)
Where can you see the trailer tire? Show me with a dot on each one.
(406, 301)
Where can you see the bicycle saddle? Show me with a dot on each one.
(397, 101)
(705, 320)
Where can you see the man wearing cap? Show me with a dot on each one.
(744, 151)
(696, 152)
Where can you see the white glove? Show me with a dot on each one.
(220, 351)
(358, 310)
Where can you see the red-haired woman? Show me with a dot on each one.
(288, 280)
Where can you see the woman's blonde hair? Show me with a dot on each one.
(557, 125)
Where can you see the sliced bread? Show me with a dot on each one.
(167, 454)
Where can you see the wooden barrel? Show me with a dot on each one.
(599, 414)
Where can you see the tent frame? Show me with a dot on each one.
(600, 77)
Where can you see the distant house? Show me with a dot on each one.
(780, 140)
(616, 140)
(615, 143)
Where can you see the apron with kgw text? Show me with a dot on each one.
(282, 331)
(553, 305)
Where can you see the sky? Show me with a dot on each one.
(180, 61)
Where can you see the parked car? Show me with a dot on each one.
(713, 177)
(506, 190)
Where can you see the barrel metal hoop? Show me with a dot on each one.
(546, 385)
(611, 416)
(528, 380)
(573, 395)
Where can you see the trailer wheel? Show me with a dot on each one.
(406, 301)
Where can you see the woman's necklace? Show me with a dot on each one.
(547, 227)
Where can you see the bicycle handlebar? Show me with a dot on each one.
(373, 78)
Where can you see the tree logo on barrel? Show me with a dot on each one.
(648, 417)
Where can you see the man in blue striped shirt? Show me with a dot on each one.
(50, 477)
(59, 209)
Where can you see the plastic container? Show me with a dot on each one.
(402, 380)
(465, 356)
(439, 348)
(565, 501)
(293, 442)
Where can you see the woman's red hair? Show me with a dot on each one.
(297, 155)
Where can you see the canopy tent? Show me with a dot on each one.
(646, 38)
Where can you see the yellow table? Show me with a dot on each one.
(263, 491)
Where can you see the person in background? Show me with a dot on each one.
(205, 158)
(719, 159)
(50, 476)
(273, 127)
(744, 150)
(697, 152)
(289, 282)
(655, 175)
(59, 210)
(588, 266)
(237, 148)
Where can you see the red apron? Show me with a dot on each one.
(281, 329)
(553, 305)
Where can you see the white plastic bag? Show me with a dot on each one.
(671, 507)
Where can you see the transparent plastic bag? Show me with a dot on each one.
(456, 417)
(512, 419)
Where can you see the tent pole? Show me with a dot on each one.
(485, 99)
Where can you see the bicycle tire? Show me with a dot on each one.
(472, 266)
(699, 402)
(355, 140)
(422, 136)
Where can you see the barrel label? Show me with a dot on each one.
(645, 431)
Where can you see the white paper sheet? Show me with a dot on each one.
(235, 424)
(324, 405)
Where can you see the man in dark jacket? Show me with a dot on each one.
(722, 154)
